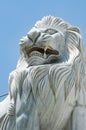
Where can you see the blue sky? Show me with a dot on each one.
(18, 17)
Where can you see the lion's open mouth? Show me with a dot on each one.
(41, 55)
(41, 52)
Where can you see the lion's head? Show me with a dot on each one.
(49, 42)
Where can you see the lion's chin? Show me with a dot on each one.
(37, 60)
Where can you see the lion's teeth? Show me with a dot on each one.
(34, 53)
(45, 56)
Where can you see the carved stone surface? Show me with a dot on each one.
(47, 90)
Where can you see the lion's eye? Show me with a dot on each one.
(51, 31)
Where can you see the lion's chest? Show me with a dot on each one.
(37, 98)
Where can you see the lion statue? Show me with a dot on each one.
(47, 89)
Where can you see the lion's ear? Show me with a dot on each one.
(74, 37)
(75, 29)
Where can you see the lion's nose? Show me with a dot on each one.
(33, 35)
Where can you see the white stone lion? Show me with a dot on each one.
(47, 89)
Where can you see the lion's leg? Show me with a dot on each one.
(79, 118)
(28, 122)
(22, 122)
(26, 114)
(79, 114)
